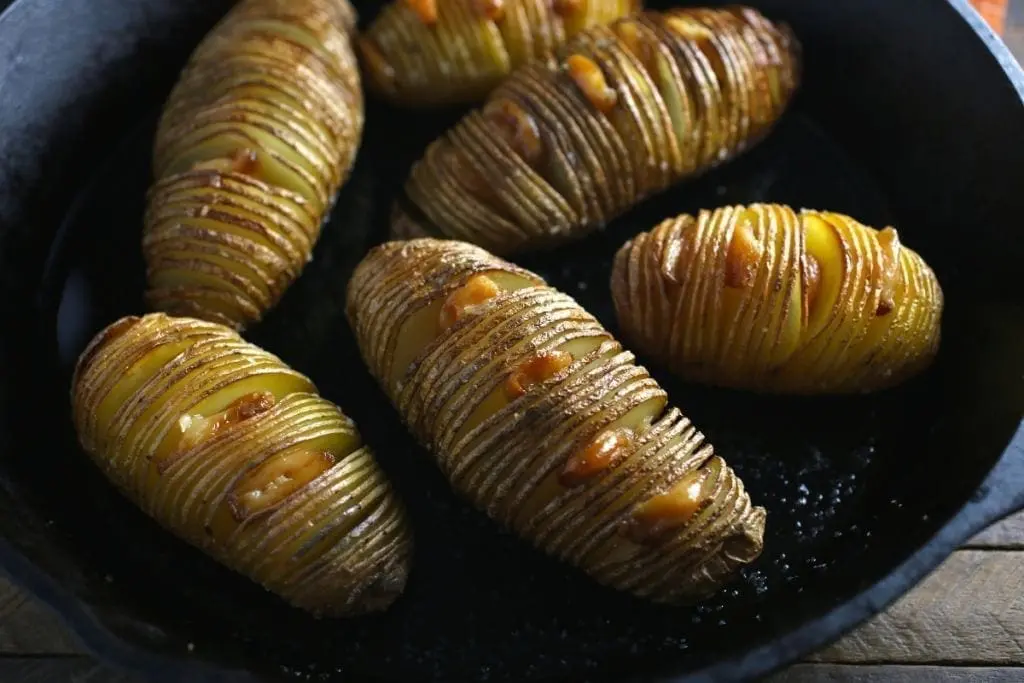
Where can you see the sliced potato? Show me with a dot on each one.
(254, 141)
(622, 112)
(430, 53)
(763, 298)
(236, 453)
(541, 419)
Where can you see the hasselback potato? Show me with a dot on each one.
(629, 109)
(256, 137)
(234, 452)
(763, 298)
(539, 417)
(424, 53)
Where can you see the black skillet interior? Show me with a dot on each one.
(905, 118)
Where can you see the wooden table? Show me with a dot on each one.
(963, 624)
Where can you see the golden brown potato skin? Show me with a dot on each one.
(255, 139)
(763, 298)
(539, 417)
(234, 452)
(409, 52)
(627, 110)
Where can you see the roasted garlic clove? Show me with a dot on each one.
(236, 453)
(763, 298)
(429, 53)
(541, 419)
(623, 111)
(255, 139)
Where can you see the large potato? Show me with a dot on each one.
(763, 298)
(258, 134)
(625, 111)
(445, 52)
(234, 452)
(540, 418)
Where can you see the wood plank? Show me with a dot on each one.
(29, 628)
(59, 670)
(969, 611)
(848, 673)
(1014, 33)
(1007, 534)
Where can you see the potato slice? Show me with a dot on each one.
(234, 452)
(254, 141)
(541, 419)
(431, 53)
(766, 299)
(646, 101)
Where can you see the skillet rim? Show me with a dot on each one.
(995, 498)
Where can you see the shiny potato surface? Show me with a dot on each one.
(763, 298)
(424, 53)
(625, 111)
(541, 419)
(234, 452)
(256, 137)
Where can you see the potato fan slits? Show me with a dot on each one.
(421, 53)
(539, 417)
(255, 139)
(763, 298)
(237, 454)
(625, 111)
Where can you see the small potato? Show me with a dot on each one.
(254, 141)
(425, 53)
(763, 298)
(234, 452)
(625, 111)
(539, 417)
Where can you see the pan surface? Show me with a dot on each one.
(863, 494)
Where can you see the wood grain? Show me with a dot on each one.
(844, 673)
(1013, 34)
(1006, 535)
(969, 611)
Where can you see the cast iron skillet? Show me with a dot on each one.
(911, 113)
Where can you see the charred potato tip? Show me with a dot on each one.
(427, 53)
(623, 111)
(544, 421)
(255, 139)
(236, 453)
(763, 298)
